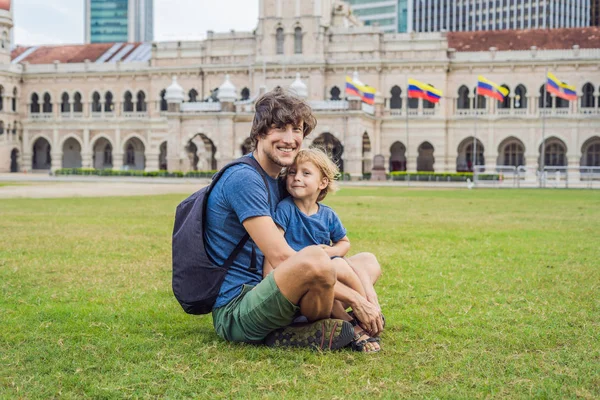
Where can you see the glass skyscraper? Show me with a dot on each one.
(386, 14)
(109, 21)
(475, 15)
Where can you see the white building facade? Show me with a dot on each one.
(112, 107)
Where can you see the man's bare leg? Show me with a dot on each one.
(307, 279)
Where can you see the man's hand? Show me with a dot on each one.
(368, 316)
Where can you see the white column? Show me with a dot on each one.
(529, 23)
(551, 20)
(278, 9)
(562, 14)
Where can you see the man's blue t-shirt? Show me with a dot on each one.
(301, 230)
(240, 194)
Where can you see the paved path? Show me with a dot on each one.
(93, 189)
(45, 186)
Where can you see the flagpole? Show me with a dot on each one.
(543, 160)
(407, 134)
(474, 155)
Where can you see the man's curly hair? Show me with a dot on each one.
(279, 108)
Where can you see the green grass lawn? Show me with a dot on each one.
(487, 294)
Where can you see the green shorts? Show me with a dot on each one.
(257, 311)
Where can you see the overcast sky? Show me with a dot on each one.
(61, 21)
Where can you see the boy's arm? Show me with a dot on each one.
(339, 248)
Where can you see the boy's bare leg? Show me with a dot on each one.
(368, 270)
(348, 276)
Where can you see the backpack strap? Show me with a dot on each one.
(251, 161)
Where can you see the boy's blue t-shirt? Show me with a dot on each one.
(240, 194)
(301, 230)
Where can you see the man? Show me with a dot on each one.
(248, 309)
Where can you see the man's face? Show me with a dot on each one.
(281, 144)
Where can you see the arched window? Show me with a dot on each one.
(14, 100)
(506, 102)
(108, 154)
(561, 103)
(1, 97)
(130, 155)
(96, 106)
(514, 154)
(335, 93)
(520, 97)
(279, 41)
(592, 155)
(555, 155)
(479, 101)
(298, 40)
(77, 106)
(588, 100)
(164, 106)
(35, 104)
(65, 106)
(140, 105)
(396, 99)
(128, 103)
(245, 94)
(14, 131)
(47, 106)
(193, 96)
(1, 127)
(5, 44)
(544, 94)
(463, 98)
(427, 103)
(109, 106)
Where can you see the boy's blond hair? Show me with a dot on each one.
(327, 167)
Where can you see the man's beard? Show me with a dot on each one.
(276, 160)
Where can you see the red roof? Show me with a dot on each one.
(70, 53)
(5, 5)
(543, 39)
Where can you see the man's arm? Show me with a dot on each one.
(368, 314)
(269, 239)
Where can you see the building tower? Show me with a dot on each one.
(292, 27)
(6, 25)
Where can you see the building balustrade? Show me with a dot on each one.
(135, 114)
(201, 107)
(328, 105)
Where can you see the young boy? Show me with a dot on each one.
(307, 222)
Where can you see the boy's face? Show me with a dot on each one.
(304, 180)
